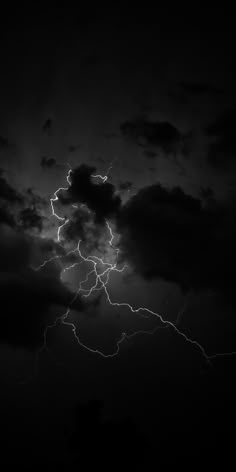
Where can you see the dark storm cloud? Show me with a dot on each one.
(164, 233)
(34, 199)
(20, 209)
(169, 234)
(76, 227)
(27, 299)
(14, 250)
(30, 218)
(198, 89)
(7, 192)
(5, 216)
(10, 199)
(99, 197)
(160, 134)
(48, 162)
(222, 145)
(27, 296)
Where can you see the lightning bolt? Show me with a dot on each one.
(55, 199)
(101, 284)
(105, 177)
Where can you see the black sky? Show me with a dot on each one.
(147, 97)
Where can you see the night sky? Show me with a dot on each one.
(117, 238)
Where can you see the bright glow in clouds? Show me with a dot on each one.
(101, 270)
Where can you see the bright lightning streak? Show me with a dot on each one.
(57, 257)
(105, 177)
(46, 262)
(101, 284)
(124, 304)
(55, 199)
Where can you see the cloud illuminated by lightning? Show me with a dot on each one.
(101, 284)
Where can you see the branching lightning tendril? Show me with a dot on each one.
(101, 284)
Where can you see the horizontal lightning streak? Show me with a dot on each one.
(105, 177)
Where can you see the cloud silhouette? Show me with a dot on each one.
(28, 297)
(100, 198)
(7, 192)
(159, 134)
(166, 233)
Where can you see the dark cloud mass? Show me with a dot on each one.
(76, 228)
(10, 199)
(164, 233)
(7, 192)
(28, 296)
(20, 210)
(160, 134)
(146, 95)
(30, 218)
(99, 197)
(169, 234)
(5, 217)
